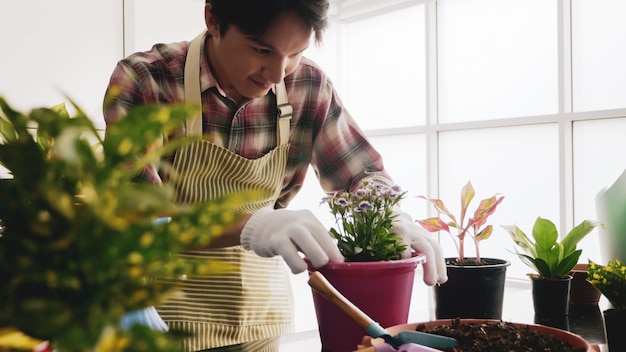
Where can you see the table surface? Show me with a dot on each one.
(586, 321)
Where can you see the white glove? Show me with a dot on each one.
(416, 238)
(283, 232)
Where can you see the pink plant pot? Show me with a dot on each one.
(380, 289)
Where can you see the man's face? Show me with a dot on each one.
(248, 67)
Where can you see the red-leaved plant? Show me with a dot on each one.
(475, 226)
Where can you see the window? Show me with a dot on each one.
(496, 59)
(383, 69)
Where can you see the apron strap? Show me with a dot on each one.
(193, 95)
(285, 112)
(192, 84)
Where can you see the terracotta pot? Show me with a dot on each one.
(582, 291)
(565, 336)
(380, 289)
(484, 284)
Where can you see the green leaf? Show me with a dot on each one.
(552, 257)
(467, 194)
(440, 207)
(521, 239)
(484, 234)
(543, 268)
(13, 155)
(7, 132)
(485, 209)
(567, 264)
(13, 124)
(577, 234)
(434, 225)
(545, 234)
(142, 127)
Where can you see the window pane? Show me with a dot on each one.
(599, 154)
(497, 58)
(384, 69)
(599, 53)
(325, 54)
(521, 163)
(405, 160)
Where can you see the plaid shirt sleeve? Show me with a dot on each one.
(342, 153)
(147, 77)
(337, 149)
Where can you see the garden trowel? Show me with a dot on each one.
(319, 283)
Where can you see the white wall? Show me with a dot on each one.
(57, 48)
(161, 21)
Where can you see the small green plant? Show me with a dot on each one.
(364, 218)
(475, 226)
(544, 253)
(610, 280)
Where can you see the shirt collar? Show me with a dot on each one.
(207, 79)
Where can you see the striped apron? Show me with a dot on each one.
(250, 308)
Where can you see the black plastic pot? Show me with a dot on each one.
(551, 297)
(472, 291)
(614, 323)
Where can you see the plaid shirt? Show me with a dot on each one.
(322, 135)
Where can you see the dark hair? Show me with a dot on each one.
(253, 17)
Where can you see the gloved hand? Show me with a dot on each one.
(284, 232)
(418, 239)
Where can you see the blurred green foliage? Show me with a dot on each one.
(79, 245)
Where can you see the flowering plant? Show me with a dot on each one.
(476, 226)
(610, 280)
(364, 218)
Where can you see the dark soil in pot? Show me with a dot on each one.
(498, 336)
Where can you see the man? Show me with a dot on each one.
(244, 70)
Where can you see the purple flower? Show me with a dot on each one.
(364, 206)
(393, 194)
(361, 192)
(342, 202)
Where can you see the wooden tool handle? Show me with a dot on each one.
(320, 284)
